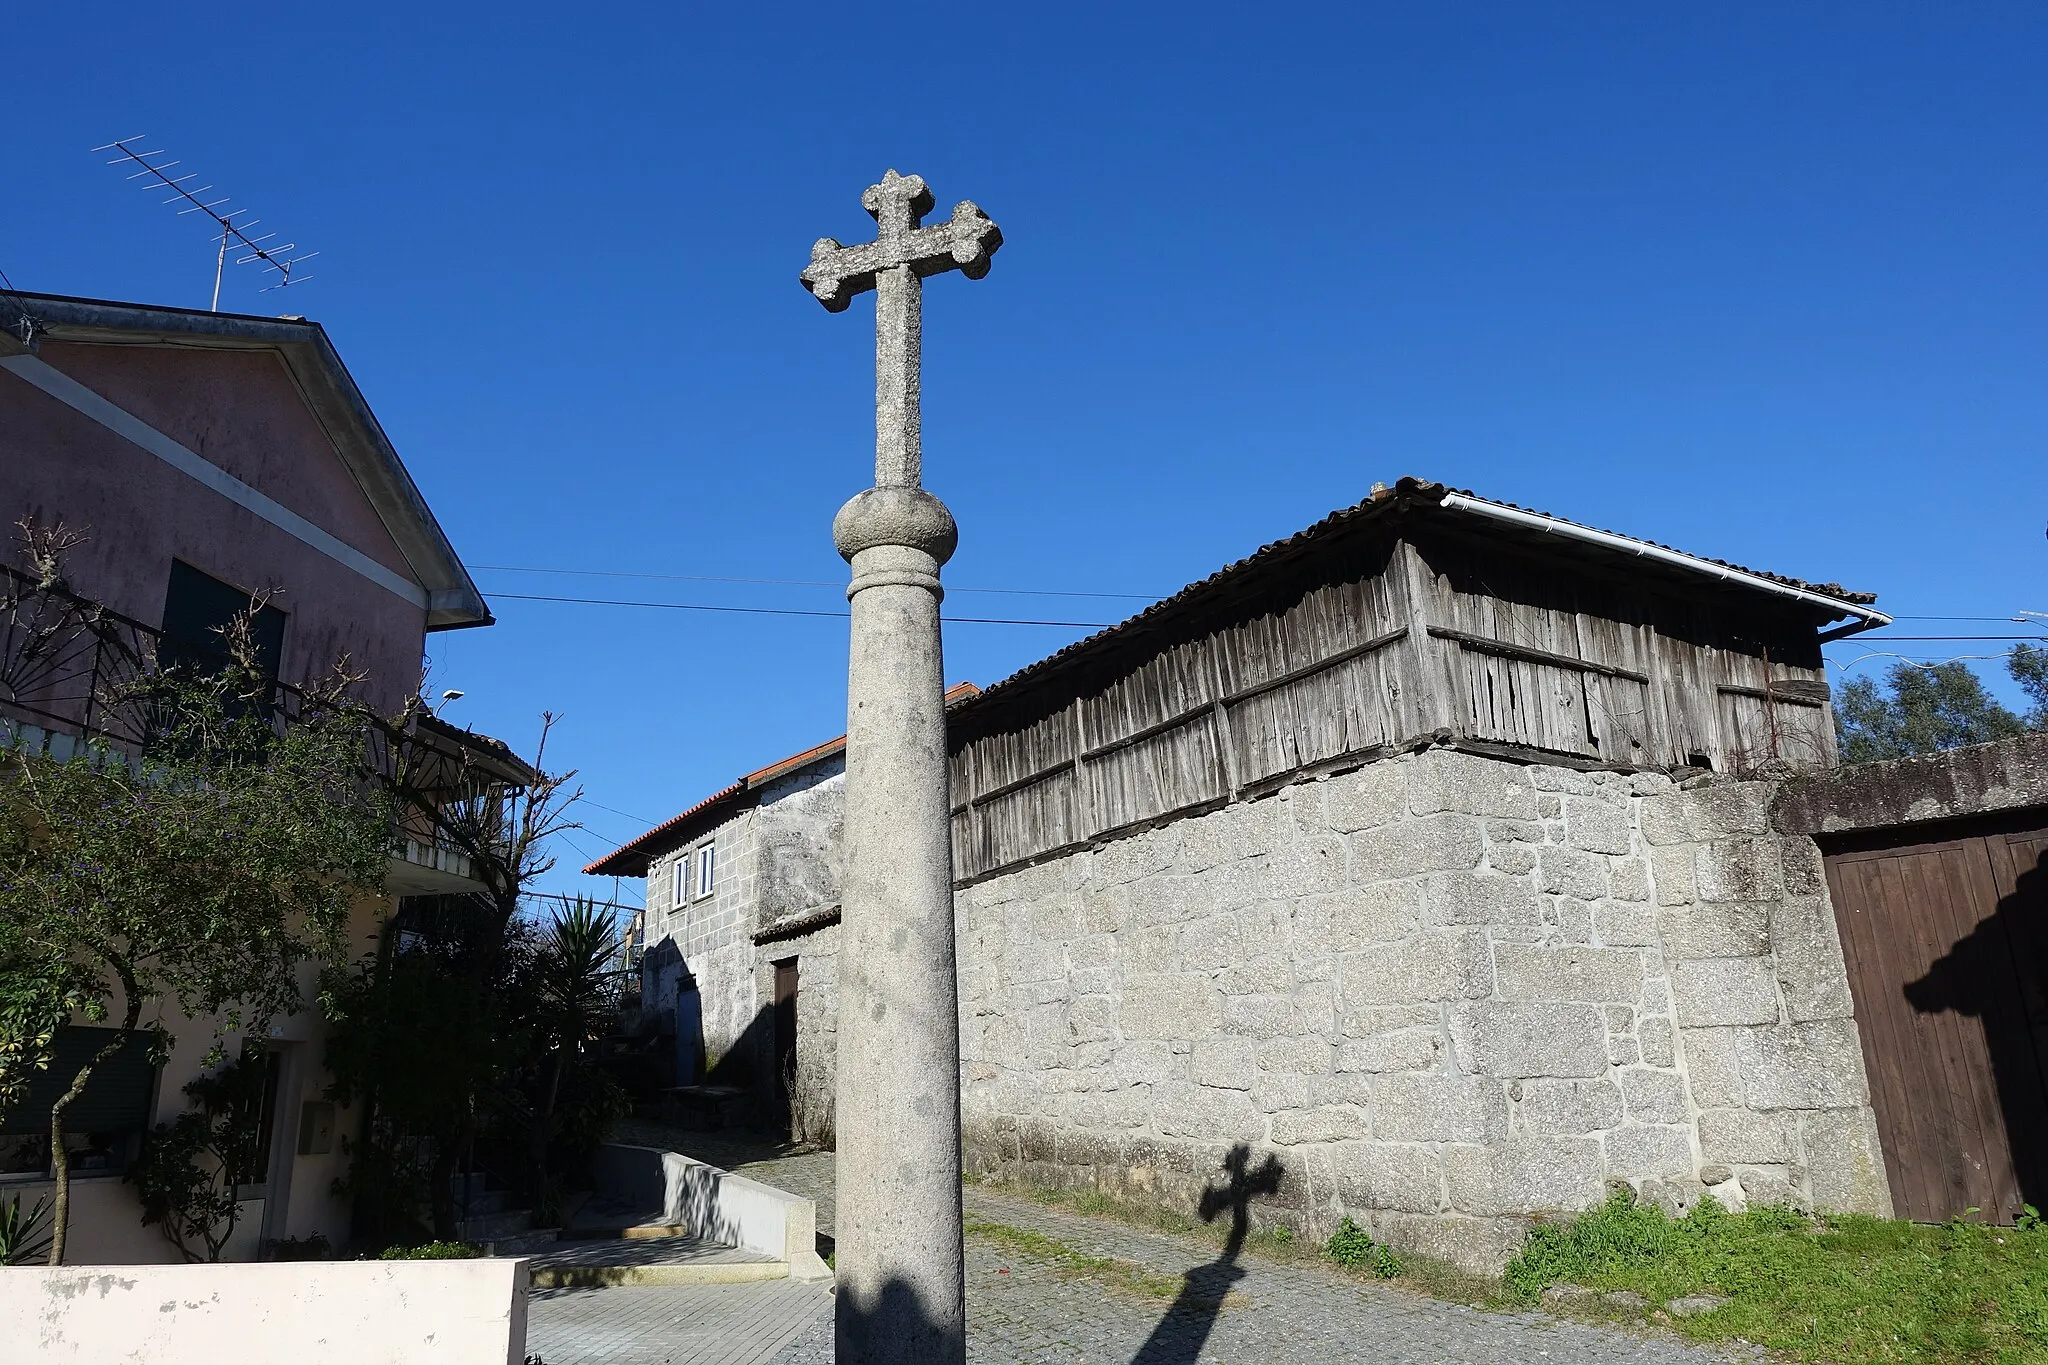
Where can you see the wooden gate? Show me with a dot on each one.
(1946, 941)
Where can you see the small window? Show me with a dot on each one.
(197, 608)
(707, 870)
(104, 1125)
(679, 882)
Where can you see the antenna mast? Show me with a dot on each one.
(277, 257)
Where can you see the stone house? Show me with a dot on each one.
(1437, 850)
(741, 887)
(211, 459)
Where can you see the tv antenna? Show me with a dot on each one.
(154, 173)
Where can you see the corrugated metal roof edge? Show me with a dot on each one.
(1407, 492)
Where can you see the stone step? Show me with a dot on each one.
(482, 1202)
(584, 1232)
(537, 1242)
(490, 1227)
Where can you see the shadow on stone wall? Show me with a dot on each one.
(1998, 974)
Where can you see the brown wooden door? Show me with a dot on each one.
(1947, 948)
(785, 1026)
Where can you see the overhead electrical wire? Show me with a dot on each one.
(782, 611)
(789, 582)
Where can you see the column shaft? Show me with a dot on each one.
(901, 1294)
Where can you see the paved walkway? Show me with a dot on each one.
(1024, 1311)
(697, 1324)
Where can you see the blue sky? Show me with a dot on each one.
(1762, 281)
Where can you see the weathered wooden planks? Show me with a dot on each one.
(1497, 645)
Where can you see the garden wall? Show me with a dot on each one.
(284, 1313)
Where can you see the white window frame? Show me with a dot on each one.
(707, 871)
(679, 892)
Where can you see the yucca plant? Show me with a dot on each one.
(24, 1237)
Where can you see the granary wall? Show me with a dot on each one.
(1447, 991)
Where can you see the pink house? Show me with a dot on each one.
(209, 459)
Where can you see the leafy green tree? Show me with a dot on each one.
(40, 991)
(203, 877)
(2028, 665)
(1922, 709)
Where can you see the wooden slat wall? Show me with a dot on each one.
(1513, 649)
(1665, 679)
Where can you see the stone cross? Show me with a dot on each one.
(894, 266)
(902, 1288)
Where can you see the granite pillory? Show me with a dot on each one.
(902, 1287)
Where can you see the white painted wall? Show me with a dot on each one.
(280, 1313)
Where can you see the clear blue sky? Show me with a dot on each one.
(1762, 281)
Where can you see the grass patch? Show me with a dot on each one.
(1071, 1262)
(1846, 1287)
(1418, 1273)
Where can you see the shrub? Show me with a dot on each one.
(433, 1251)
(1353, 1248)
(313, 1247)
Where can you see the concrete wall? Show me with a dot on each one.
(1447, 991)
(714, 1203)
(287, 1313)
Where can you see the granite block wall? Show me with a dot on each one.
(713, 934)
(1448, 991)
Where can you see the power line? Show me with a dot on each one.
(637, 819)
(784, 611)
(796, 582)
(1881, 639)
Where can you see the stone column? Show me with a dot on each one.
(902, 1288)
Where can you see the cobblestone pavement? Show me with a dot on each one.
(1021, 1311)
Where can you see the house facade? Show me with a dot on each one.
(738, 937)
(205, 463)
(1441, 852)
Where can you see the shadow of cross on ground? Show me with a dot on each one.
(1178, 1337)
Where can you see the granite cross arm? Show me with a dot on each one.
(964, 242)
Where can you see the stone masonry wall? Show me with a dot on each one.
(1446, 991)
(714, 934)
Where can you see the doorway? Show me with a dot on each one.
(785, 1031)
(1946, 941)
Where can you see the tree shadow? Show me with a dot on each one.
(1998, 974)
(1179, 1336)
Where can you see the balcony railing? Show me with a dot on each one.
(69, 669)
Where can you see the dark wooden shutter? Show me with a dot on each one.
(116, 1099)
(196, 607)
